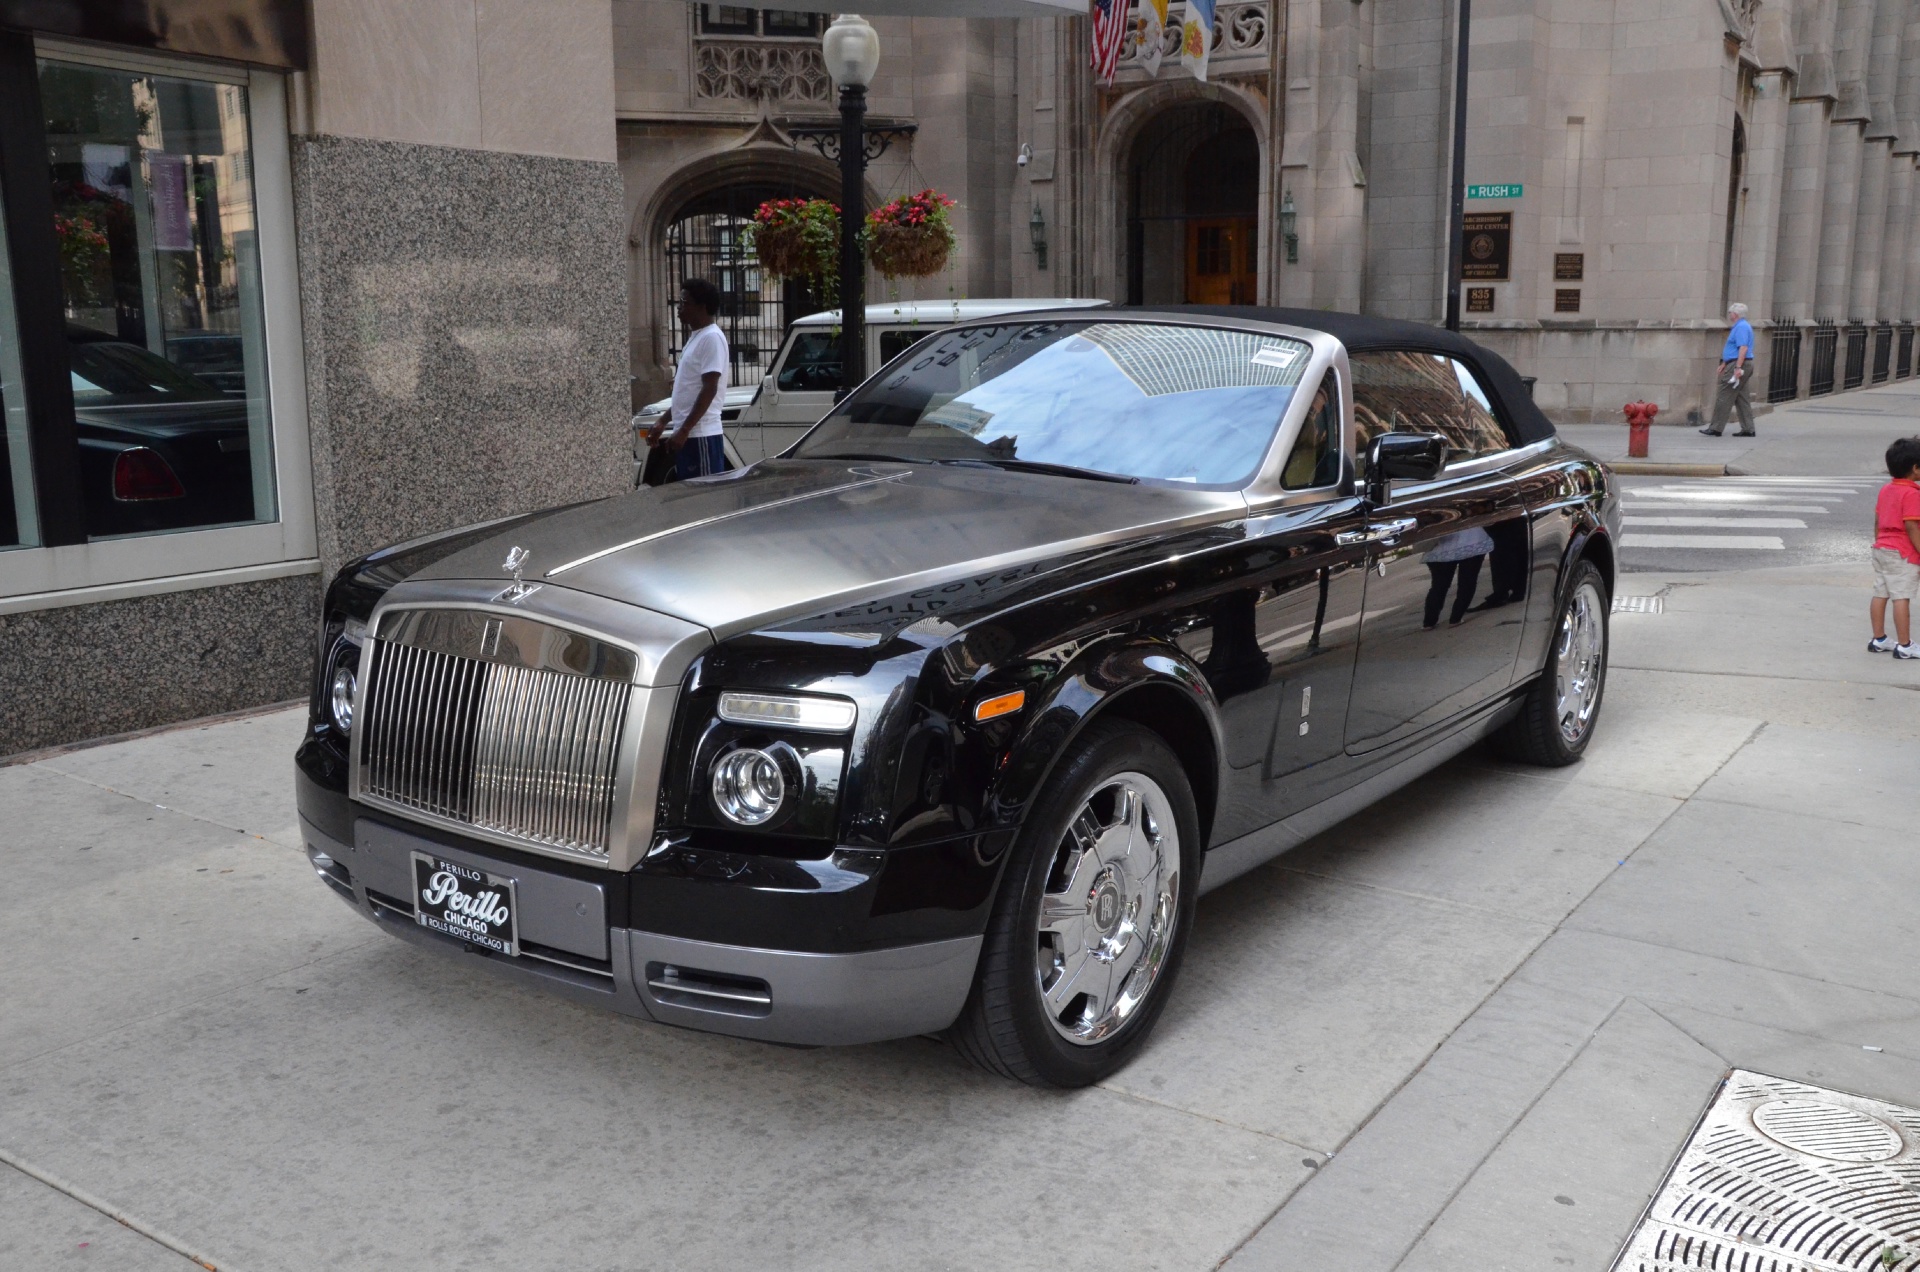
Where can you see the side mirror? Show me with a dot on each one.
(1403, 457)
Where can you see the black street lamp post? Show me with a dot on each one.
(851, 50)
(1457, 203)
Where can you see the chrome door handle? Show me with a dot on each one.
(1378, 532)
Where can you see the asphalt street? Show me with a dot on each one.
(1697, 524)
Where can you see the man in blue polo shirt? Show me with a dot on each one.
(1736, 362)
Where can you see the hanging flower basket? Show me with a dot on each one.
(912, 236)
(798, 238)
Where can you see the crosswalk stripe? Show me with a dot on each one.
(1759, 542)
(1748, 523)
(1733, 496)
(1647, 505)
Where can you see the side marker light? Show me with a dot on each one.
(1004, 704)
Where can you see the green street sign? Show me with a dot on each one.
(1494, 191)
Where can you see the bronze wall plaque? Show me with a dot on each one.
(1479, 300)
(1569, 267)
(1566, 300)
(1486, 247)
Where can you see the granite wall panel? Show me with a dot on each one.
(465, 314)
(92, 670)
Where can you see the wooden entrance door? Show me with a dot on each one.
(1221, 261)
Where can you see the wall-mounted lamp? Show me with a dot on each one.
(1288, 216)
(1037, 231)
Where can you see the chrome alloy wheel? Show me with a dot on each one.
(1580, 661)
(1108, 913)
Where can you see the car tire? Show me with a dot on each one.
(1087, 933)
(1562, 707)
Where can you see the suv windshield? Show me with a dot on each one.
(1153, 401)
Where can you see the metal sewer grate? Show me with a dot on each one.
(1638, 605)
(1784, 1177)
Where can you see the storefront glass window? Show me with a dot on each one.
(18, 524)
(154, 214)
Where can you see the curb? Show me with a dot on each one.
(1653, 468)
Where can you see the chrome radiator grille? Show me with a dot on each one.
(523, 751)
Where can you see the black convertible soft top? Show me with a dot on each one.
(1361, 333)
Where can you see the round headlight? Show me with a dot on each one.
(748, 786)
(340, 699)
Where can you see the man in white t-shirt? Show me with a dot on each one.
(691, 431)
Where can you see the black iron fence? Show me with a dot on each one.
(1882, 354)
(1903, 360)
(1856, 374)
(1783, 373)
(1826, 342)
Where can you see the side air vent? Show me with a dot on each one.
(678, 986)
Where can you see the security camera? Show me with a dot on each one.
(1026, 154)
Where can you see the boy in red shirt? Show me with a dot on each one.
(1896, 550)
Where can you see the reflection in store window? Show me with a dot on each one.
(19, 527)
(159, 262)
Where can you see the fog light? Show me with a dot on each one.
(748, 786)
(340, 699)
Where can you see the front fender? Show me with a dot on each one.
(1150, 682)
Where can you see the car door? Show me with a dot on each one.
(1446, 558)
(1277, 647)
(800, 389)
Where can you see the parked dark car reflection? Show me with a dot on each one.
(160, 448)
(942, 720)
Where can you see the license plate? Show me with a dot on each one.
(466, 903)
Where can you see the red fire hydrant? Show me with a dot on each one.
(1639, 419)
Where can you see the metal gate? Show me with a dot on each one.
(1882, 354)
(708, 240)
(1783, 375)
(1826, 340)
(1856, 357)
(1903, 361)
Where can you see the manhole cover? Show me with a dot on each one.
(1832, 1131)
(1785, 1177)
(1638, 605)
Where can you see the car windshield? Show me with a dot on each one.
(1158, 402)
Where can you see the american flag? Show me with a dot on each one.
(1109, 33)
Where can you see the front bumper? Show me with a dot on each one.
(569, 947)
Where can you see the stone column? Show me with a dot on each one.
(1840, 207)
(1869, 227)
(1802, 201)
(1764, 177)
(1893, 252)
(1900, 284)
(1339, 183)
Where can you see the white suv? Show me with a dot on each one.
(805, 379)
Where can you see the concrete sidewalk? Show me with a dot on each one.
(1466, 1029)
(1838, 435)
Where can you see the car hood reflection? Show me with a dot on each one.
(789, 537)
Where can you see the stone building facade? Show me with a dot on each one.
(1661, 160)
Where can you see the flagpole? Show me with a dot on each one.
(1457, 212)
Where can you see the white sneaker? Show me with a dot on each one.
(1906, 651)
(1880, 645)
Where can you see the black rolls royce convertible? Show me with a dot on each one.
(942, 720)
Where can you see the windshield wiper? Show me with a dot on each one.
(1039, 466)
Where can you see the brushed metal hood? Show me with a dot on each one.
(786, 538)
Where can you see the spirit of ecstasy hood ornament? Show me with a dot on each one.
(516, 591)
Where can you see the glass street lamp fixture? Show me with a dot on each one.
(1288, 216)
(1037, 231)
(851, 50)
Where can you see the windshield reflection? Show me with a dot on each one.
(1158, 402)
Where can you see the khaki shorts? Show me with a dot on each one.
(1894, 575)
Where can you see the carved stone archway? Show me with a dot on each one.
(804, 174)
(1113, 152)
